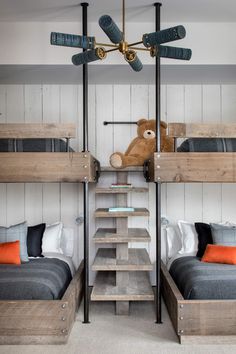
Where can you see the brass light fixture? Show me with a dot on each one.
(151, 42)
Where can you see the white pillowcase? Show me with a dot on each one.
(67, 241)
(189, 237)
(173, 239)
(51, 241)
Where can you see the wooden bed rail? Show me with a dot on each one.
(35, 130)
(191, 130)
(17, 167)
(208, 167)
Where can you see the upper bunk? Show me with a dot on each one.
(190, 167)
(47, 164)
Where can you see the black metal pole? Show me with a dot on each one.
(85, 184)
(158, 184)
(85, 80)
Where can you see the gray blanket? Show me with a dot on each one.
(33, 145)
(208, 145)
(39, 279)
(199, 280)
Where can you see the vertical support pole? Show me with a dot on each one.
(158, 184)
(85, 184)
(85, 80)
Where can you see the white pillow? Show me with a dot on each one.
(52, 238)
(67, 241)
(189, 237)
(174, 243)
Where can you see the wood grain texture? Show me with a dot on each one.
(200, 130)
(126, 169)
(120, 190)
(138, 259)
(46, 167)
(105, 235)
(41, 321)
(104, 213)
(37, 130)
(105, 288)
(195, 167)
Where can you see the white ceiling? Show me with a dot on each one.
(137, 10)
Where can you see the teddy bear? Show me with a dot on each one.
(143, 146)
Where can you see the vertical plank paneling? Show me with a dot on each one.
(51, 192)
(15, 112)
(70, 191)
(33, 191)
(193, 114)
(175, 113)
(211, 110)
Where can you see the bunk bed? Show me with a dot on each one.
(195, 320)
(43, 321)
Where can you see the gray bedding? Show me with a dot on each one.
(33, 145)
(199, 280)
(38, 279)
(208, 145)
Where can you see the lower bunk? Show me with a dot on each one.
(197, 320)
(41, 321)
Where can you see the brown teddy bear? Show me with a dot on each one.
(143, 146)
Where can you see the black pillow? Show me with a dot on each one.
(204, 237)
(34, 240)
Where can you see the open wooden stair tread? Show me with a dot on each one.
(105, 213)
(105, 260)
(139, 288)
(120, 190)
(106, 235)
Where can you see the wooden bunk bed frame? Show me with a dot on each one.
(200, 321)
(43, 321)
(45, 166)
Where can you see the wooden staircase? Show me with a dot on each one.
(122, 271)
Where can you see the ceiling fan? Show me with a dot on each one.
(151, 42)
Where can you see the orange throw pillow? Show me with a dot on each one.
(10, 253)
(220, 254)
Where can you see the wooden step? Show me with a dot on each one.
(104, 213)
(120, 190)
(105, 260)
(105, 288)
(104, 235)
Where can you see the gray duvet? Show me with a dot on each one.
(199, 280)
(38, 279)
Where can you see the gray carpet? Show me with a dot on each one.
(110, 334)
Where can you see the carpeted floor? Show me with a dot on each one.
(110, 334)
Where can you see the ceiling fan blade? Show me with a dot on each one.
(164, 36)
(111, 29)
(89, 56)
(172, 52)
(133, 60)
(72, 40)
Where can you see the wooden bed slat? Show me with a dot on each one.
(194, 167)
(35, 130)
(46, 167)
(191, 130)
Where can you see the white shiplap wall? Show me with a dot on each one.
(63, 103)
